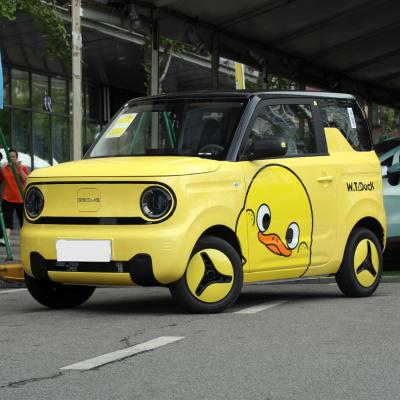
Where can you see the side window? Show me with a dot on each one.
(347, 117)
(291, 122)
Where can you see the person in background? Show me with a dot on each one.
(12, 199)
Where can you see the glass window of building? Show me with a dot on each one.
(40, 89)
(20, 88)
(21, 126)
(5, 123)
(92, 102)
(59, 96)
(36, 119)
(61, 139)
(41, 140)
(6, 86)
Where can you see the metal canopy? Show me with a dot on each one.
(341, 45)
(110, 58)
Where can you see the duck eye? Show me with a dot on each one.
(292, 235)
(263, 218)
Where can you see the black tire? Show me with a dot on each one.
(360, 274)
(205, 287)
(58, 295)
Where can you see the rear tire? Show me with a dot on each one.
(57, 295)
(361, 269)
(213, 278)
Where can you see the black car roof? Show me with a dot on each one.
(244, 94)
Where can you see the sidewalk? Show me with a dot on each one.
(14, 243)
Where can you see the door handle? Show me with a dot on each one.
(325, 179)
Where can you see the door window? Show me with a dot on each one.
(293, 123)
(346, 115)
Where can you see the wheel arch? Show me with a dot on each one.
(225, 233)
(374, 226)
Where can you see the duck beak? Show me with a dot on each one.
(274, 244)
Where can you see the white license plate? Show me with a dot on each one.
(83, 250)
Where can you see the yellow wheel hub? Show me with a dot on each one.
(210, 275)
(366, 263)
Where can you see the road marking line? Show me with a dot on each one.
(124, 353)
(11, 291)
(261, 307)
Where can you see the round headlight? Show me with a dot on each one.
(34, 202)
(155, 202)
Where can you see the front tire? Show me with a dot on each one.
(361, 269)
(57, 295)
(213, 278)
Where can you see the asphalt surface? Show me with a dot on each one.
(307, 341)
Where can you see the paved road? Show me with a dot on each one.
(298, 341)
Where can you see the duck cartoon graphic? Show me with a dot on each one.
(277, 219)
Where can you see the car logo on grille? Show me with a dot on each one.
(88, 199)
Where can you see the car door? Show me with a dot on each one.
(290, 206)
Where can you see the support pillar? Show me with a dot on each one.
(370, 115)
(301, 84)
(76, 80)
(264, 75)
(155, 78)
(215, 61)
(155, 48)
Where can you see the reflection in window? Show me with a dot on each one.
(59, 95)
(40, 88)
(20, 88)
(292, 122)
(41, 139)
(22, 131)
(61, 144)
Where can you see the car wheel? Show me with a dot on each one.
(57, 295)
(213, 278)
(361, 269)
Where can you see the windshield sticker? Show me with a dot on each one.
(351, 116)
(121, 125)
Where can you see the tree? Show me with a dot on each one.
(58, 39)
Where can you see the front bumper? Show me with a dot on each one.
(144, 255)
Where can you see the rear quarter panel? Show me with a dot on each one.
(359, 193)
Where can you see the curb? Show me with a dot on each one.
(324, 280)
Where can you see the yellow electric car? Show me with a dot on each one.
(202, 192)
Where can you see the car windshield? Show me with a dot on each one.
(180, 127)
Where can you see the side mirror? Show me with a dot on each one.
(393, 174)
(274, 146)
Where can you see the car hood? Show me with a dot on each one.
(129, 167)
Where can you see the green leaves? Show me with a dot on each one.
(8, 9)
(58, 39)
